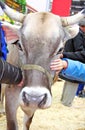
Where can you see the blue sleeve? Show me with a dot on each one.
(75, 70)
(3, 43)
(4, 46)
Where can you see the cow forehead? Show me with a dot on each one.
(42, 24)
(41, 34)
(43, 17)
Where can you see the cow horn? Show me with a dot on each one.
(15, 15)
(73, 19)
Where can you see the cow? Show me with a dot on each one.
(2, 94)
(41, 35)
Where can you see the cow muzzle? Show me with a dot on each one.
(34, 100)
(35, 97)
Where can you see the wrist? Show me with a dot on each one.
(65, 64)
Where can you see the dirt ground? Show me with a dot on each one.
(57, 117)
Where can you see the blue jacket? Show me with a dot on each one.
(3, 44)
(75, 72)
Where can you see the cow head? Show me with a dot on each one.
(41, 35)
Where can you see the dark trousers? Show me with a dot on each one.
(80, 88)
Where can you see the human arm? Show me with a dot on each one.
(75, 48)
(71, 70)
(9, 74)
(75, 72)
(80, 55)
(58, 64)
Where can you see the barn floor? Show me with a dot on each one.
(58, 117)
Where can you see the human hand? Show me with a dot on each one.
(59, 56)
(21, 83)
(58, 64)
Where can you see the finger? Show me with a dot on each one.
(55, 62)
(57, 72)
(57, 68)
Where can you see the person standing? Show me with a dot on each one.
(9, 74)
(74, 50)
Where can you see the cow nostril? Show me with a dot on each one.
(34, 100)
(24, 98)
(43, 101)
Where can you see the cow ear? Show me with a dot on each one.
(13, 27)
(71, 31)
(11, 32)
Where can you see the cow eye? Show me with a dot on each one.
(17, 43)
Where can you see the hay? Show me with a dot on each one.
(58, 116)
